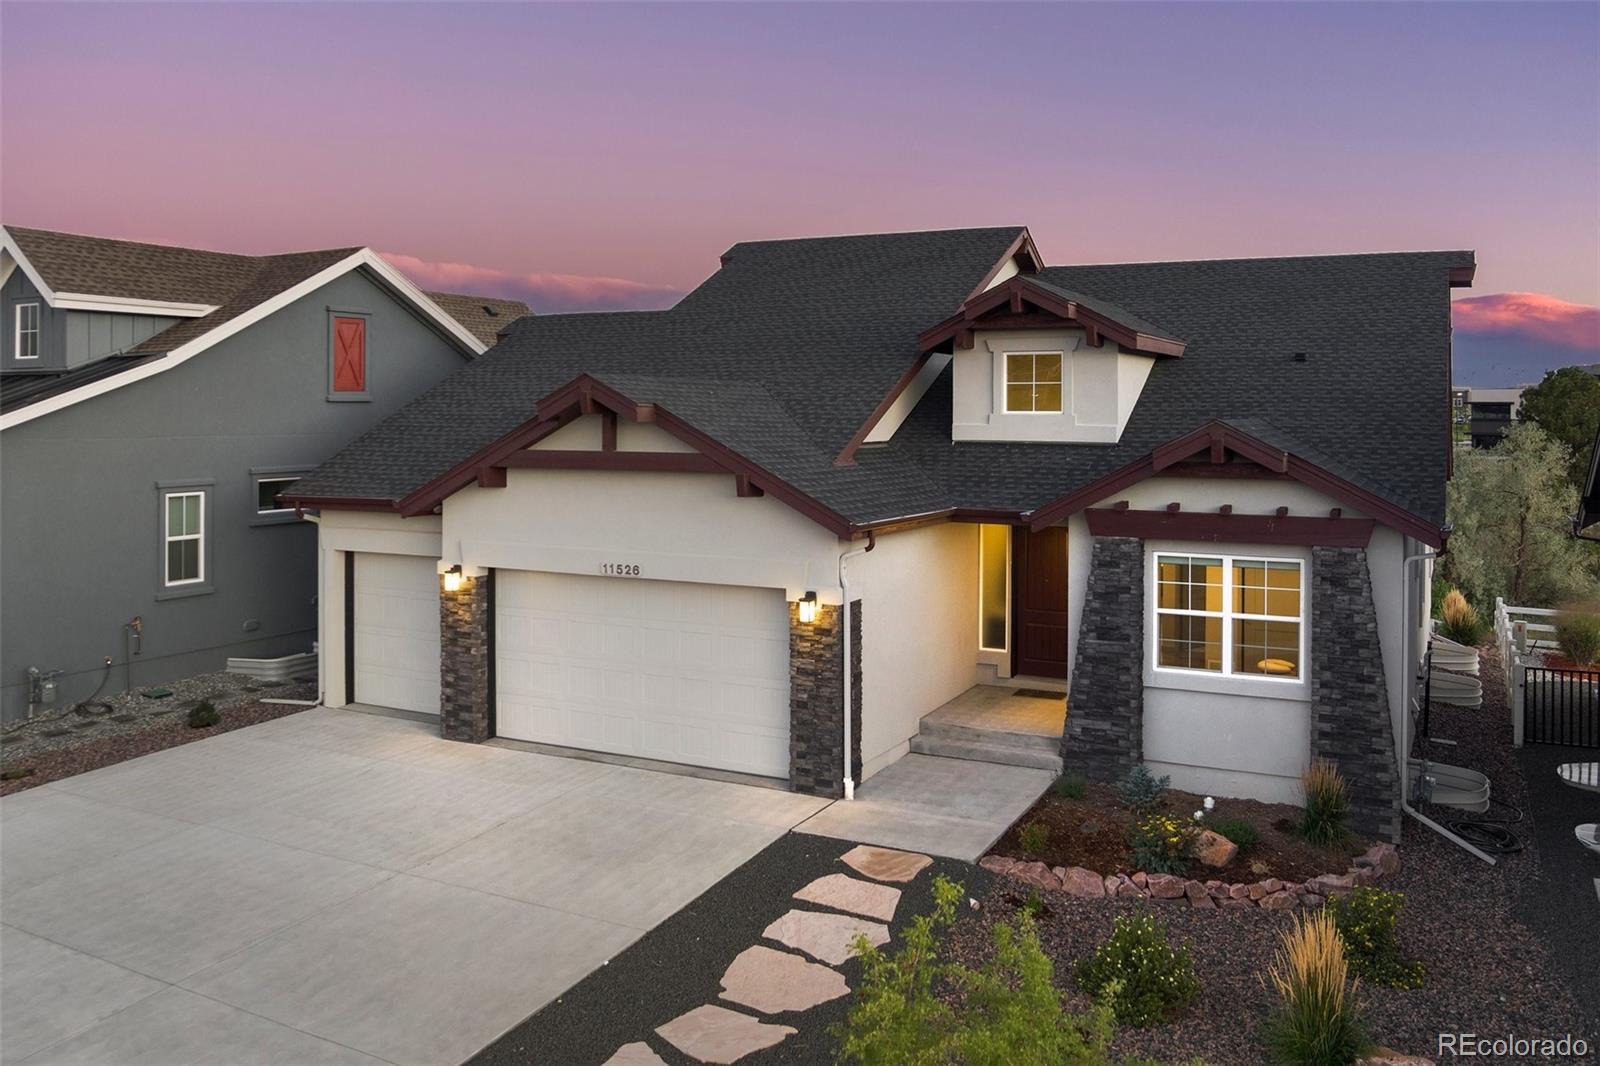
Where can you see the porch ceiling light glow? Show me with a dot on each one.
(808, 607)
(452, 579)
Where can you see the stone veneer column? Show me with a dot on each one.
(816, 699)
(464, 660)
(1104, 736)
(1350, 723)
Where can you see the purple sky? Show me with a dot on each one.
(604, 155)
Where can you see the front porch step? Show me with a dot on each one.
(954, 730)
(1006, 754)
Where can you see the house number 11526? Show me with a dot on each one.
(620, 569)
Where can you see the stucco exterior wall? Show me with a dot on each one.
(920, 639)
(80, 547)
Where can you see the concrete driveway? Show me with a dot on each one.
(338, 887)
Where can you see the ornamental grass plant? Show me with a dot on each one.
(1317, 1021)
(1327, 803)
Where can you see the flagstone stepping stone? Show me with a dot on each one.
(637, 1053)
(714, 1034)
(845, 893)
(772, 981)
(828, 937)
(885, 864)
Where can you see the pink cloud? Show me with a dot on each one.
(544, 293)
(1530, 314)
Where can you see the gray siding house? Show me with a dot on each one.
(154, 402)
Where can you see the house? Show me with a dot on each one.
(889, 473)
(154, 401)
(1491, 413)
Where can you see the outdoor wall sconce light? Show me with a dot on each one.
(452, 579)
(808, 607)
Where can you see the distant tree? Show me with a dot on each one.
(1511, 508)
(1566, 405)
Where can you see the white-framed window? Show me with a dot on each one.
(184, 541)
(994, 587)
(26, 335)
(1230, 615)
(267, 491)
(1033, 383)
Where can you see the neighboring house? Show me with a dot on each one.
(153, 403)
(874, 472)
(1459, 417)
(1491, 414)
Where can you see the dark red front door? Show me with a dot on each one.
(1039, 585)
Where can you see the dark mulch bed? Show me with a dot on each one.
(678, 966)
(1093, 832)
(1487, 972)
(46, 766)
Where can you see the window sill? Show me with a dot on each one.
(183, 592)
(1296, 691)
(349, 397)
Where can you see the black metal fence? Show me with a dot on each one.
(1561, 706)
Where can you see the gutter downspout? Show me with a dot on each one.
(1408, 697)
(844, 588)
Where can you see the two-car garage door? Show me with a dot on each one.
(666, 670)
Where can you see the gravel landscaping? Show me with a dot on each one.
(126, 725)
(1487, 972)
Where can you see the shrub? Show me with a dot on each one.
(1366, 920)
(1152, 977)
(1459, 619)
(1034, 905)
(1578, 633)
(1317, 1023)
(1237, 830)
(1033, 837)
(1009, 1010)
(1162, 844)
(1327, 803)
(1141, 790)
(203, 715)
(1071, 785)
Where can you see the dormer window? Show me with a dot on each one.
(1033, 383)
(27, 333)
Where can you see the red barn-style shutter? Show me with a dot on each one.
(349, 355)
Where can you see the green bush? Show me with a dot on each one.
(1578, 633)
(1141, 790)
(1071, 785)
(203, 715)
(1162, 844)
(1009, 1011)
(1152, 978)
(1316, 1022)
(1237, 830)
(1327, 803)
(1367, 920)
(1033, 837)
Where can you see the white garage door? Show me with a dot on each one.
(397, 632)
(662, 669)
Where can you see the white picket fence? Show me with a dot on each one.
(1518, 632)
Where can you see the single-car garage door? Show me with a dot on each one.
(397, 632)
(666, 670)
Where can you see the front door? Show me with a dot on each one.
(1040, 586)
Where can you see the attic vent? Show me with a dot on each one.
(491, 312)
(1299, 357)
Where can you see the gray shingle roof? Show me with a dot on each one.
(485, 317)
(785, 351)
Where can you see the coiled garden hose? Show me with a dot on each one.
(1493, 835)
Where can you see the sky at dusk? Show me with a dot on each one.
(603, 156)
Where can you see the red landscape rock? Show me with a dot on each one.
(1278, 901)
(1163, 886)
(1214, 849)
(1085, 884)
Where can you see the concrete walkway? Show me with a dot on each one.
(337, 887)
(951, 807)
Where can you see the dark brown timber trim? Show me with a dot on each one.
(658, 462)
(1230, 528)
(847, 455)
